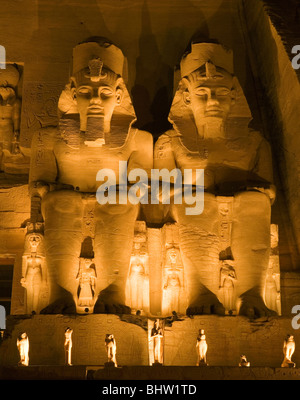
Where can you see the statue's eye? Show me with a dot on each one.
(84, 91)
(106, 91)
(223, 92)
(201, 92)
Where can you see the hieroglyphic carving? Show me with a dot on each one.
(225, 221)
(40, 107)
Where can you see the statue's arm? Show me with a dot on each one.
(142, 156)
(43, 167)
(17, 116)
(163, 153)
(44, 270)
(263, 170)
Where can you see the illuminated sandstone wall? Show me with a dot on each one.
(41, 35)
(227, 338)
(46, 336)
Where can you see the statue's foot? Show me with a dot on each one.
(110, 301)
(102, 307)
(60, 306)
(206, 304)
(254, 307)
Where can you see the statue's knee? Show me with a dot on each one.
(208, 209)
(63, 201)
(253, 202)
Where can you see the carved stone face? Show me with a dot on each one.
(209, 97)
(34, 241)
(173, 255)
(97, 99)
(7, 96)
(87, 263)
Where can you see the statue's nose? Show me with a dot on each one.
(212, 98)
(95, 100)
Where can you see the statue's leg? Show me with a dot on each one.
(199, 245)
(250, 245)
(114, 231)
(62, 213)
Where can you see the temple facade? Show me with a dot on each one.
(149, 174)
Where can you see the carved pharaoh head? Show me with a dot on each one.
(207, 73)
(96, 84)
(9, 78)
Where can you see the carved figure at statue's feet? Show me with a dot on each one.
(210, 118)
(95, 132)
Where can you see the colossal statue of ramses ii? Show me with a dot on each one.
(210, 118)
(95, 132)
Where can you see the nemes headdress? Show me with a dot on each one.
(211, 55)
(95, 56)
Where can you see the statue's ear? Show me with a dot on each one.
(233, 92)
(186, 97)
(185, 92)
(73, 88)
(119, 92)
(119, 96)
(233, 96)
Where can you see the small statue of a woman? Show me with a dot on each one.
(23, 347)
(111, 348)
(201, 347)
(68, 346)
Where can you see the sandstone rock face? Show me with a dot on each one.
(199, 85)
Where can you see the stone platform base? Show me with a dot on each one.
(261, 341)
(142, 373)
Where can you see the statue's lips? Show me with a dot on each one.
(95, 110)
(213, 111)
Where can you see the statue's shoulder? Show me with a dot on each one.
(143, 139)
(257, 136)
(167, 137)
(143, 135)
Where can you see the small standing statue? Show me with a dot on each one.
(172, 282)
(157, 338)
(288, 351)
(23, 347)
(10, 112)
(201, 347)
(87, 283)
(244, 362)
(138, 280)
(34, 278)
(111, 348)
(68, 346)
(227, 282)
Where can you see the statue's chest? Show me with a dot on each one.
(89, 158)
(238, 153)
